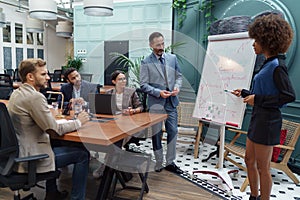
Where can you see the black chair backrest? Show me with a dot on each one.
(57, 75)
(86, 77)
(6, 86)
(16, 75)
(50, 75)
(10, 72)
(9, 148)
(45, 90)
(143, 98)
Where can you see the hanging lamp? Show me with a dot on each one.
(43, 9)
(98, 8)
(2, 18)
(34, 25)
(64, 29)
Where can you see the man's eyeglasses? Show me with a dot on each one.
(122, 79)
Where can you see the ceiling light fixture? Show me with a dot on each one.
(34, 25)
(2, 18)
(98, 8)
(44, 10)
(64, 29)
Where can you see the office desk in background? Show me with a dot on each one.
(57, 85)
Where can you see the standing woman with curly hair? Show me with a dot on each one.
(271, 89)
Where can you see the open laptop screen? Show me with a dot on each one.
(102, 103)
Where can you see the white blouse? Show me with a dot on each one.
(119, 98)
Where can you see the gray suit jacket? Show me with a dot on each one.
(153, 80)
(86, 88)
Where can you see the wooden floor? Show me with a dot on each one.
(163, 185)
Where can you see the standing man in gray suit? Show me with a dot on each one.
(161, 79)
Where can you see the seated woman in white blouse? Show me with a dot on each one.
(127, 101)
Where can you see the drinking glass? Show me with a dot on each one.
(86, 107)
(77, 109)
(55, 107)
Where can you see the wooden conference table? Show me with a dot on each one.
(106, 133)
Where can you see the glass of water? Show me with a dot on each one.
(55, 107)
(86, 107)
(77, 109)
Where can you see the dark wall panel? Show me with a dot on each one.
(110, 64)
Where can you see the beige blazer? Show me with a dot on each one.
(31, 118)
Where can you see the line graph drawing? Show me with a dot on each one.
(228, 65)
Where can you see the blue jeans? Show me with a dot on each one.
(171, 129)
(64, 156)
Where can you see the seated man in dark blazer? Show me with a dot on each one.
(76, 88)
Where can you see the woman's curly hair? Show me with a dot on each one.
(272, 33)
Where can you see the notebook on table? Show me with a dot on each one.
(102, 104)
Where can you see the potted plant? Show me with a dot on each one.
(73, 62)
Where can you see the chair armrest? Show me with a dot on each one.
(31, 166)
(31, 158)
(237, 131)
(7, 150)
(237, 135)
(284, 147)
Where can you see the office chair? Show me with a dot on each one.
(133, 163)
(50, 97)
(16, 75)
(143, 98)
(9, 152)
(285, 150)
(136, 140)
(10, 72)
(86, 77)
(57, 75)
(6, 86)
(189, 127)
(51, 75)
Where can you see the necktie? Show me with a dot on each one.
(163, 67)
(162, 61)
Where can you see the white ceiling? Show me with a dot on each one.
(65, 7)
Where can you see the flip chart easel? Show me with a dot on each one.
(228, 65)
(220, 172)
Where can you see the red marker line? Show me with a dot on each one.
(232, 124)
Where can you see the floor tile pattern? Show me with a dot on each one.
(283, 186)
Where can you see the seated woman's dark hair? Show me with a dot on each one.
(116, 73)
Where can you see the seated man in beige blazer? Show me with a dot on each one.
(34, 122)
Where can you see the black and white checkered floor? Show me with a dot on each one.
(283, 186)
